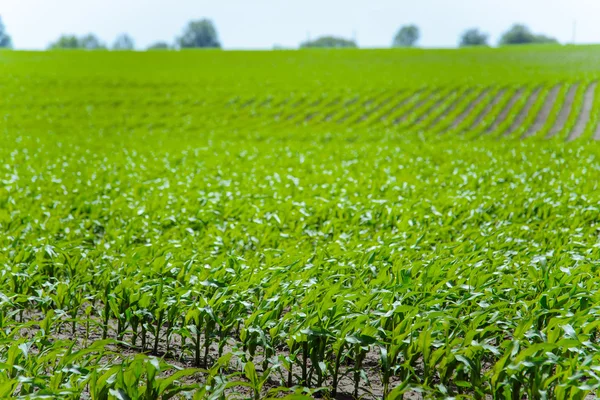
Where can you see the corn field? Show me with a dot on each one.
(246, 225)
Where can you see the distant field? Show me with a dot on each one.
(538, 92)
(337, 224)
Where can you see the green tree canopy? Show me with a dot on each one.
(66, 42)
(91, 42)
(473, 37)
(407, 36)
(159, 46)
(87, 42)
(124, 42)
(521, 34)
(329, 42)
(543, 39)
(199, 34)
(5, 40)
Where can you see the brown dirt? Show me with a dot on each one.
(520, 119)
(484, 113)
(315, 113)
(378, 107)
(183, 357)
(347, 104)
(451, 107)
(265, 102)
(302, 107)
(416, 106)
(586, 111)
(470, 108)
(597, 132)
(349, 113)
(248, 103)
(402, 102)
(563, 114)
(544, 113)
(432, 107)
(506, 110)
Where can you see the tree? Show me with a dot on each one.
(66, 42)
(521, 34)
(543, 39)
(123, 42)
(199, 34)
(159, 46)
(329, 42)
(87, 42)
(517, 34)
(91, 42)
(473, 37)
(5, 40)
(407, 36)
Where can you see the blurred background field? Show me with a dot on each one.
(315, 223)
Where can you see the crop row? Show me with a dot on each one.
(542, 111)
(220, 225)
(557, 110)
(351, 265)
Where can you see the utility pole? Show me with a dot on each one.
(574, 30)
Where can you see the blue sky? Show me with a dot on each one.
(260, 24)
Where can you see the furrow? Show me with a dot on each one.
(403, 99)
(415, 106)
(585, 113)
(522, 115)
(467, 111)
(376, 108)
(505, 111)
(350, 111)
(563, 115)
(422, 109)
(450, 108)
(316, 112)
(486, 111)
(544, 114)
(428, 110)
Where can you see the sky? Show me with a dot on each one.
(261, 24)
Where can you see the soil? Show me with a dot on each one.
(506, 110)
(450, 108)
(426, 113)
(402, 102)
(520, 119)
(347, 104)
(485, 112)
(586, 112)
(183, 357)
(597, 132)
(326, 106)
(378, 107)
(563, 114)
(348, 114)
(415, 106)
(470, 108)
(544, 113)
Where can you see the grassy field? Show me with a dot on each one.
(336, 224)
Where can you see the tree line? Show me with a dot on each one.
(197, 34)
(409, 36)
(203, 34)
